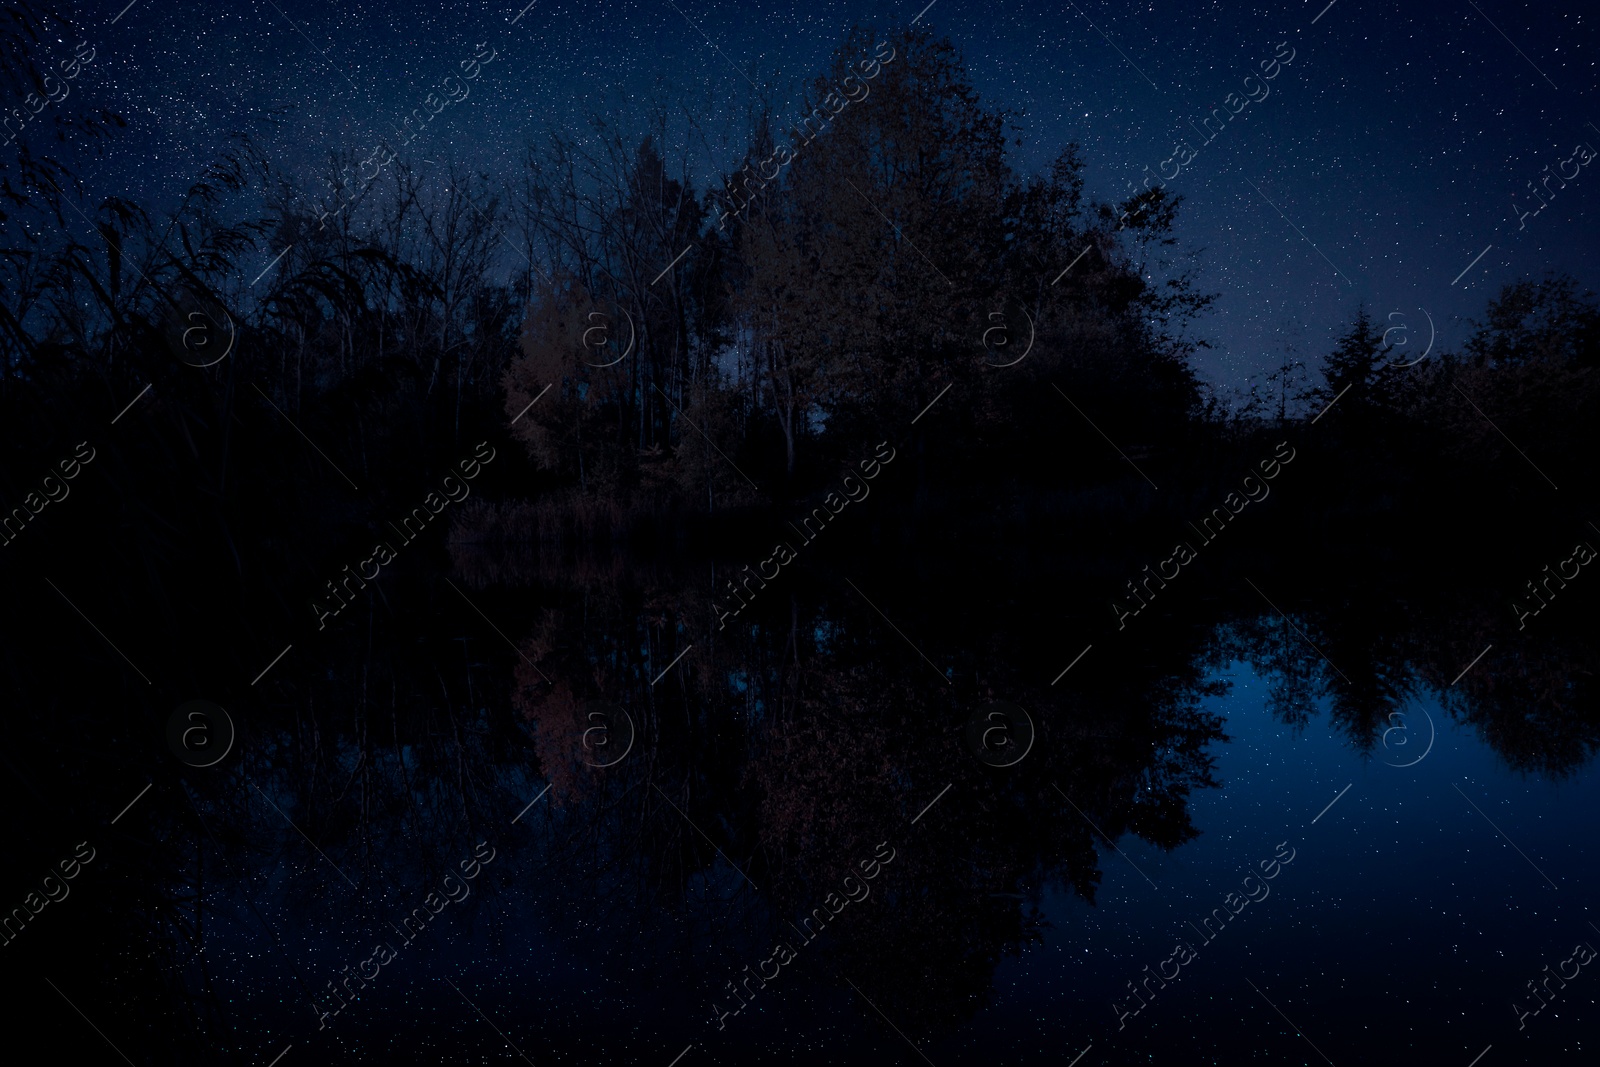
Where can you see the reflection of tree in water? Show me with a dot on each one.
(1364, 674)
(1531, 700)
(205, 902)
(796, 740)
(800, 739)
(1127, 752)
(1535, 703)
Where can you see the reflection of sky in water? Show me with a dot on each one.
(1401, 933)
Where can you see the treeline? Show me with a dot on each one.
(656, 346)
(875, 250)
(897, 254)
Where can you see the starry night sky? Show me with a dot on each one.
(1392, 151)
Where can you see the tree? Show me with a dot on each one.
(1548, 321)
(1360, 374)
(1288, 382)
(1530, 366)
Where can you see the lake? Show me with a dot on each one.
(906, 806)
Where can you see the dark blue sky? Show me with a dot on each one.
(1383, 162)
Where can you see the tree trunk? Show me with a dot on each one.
(788, 440)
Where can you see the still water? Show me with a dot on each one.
(556, 815)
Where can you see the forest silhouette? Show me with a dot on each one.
(668, 396)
